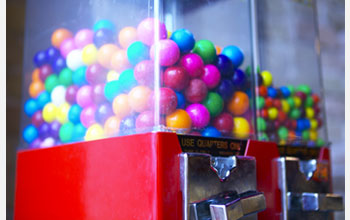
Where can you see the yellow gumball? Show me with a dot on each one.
(272, 113)
(49, 112)
(62, 113)
(297, 101)
(89, 54)
(94, 132)
(310, 113)
(314, 124)
(112, 75)
(267, 78)
(285, 106)
(313, 135)
(241, 127)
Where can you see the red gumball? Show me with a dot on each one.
(281, 116)
(263, 91)
(167, 100)
(176, 78)
(301, 95)
(196, 91)
(224, 123)
(316, 98)
(268, 102)
(264, 113)
(277, 103)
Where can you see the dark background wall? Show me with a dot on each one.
(331, 21)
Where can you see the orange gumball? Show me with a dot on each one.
(138, 98)
(218, 49)
(111, 126)
(105, 53)
(127, 36)
(179, 119)
(238, 104)
(121, 107)
(35, 75)
(119, 61)
(59, 35)
(36, 88)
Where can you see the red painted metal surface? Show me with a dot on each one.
(131, 177)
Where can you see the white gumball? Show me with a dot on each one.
(74, 59)
(58, 95)
(48, 142)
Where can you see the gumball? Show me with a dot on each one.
(290, 102)
(67, 46)
(313, 135)
(144, 72)
(300, 95)
(138, 98)
(48, 142)
(103, 36)
(137, 52)
(283, 133)
(206, 50)
(55, 129)
(105, 53)
(261, 124)
(224, 123)
(127, 80)
(42, 99)
(199, 115)
(45, 71)
(35, 88)
(35, 144)
(211, 132)
(74, 113)
(211, 76)
(271, 92)
(52, 53)
(193, 64)
(267, 78)
(235, 54)
(49, 112)
(65, 77)
(58, 64)
(30, 133)
(104, 23)
(79, 76)
(178, 119)
(87, 115)
(196, 91)
(95, 74)
(83, 37)
(176, 78)
(146, 32)
(181, 101)
(304, 89)
(264, 113)
(294, 113)
(214, 103)
(309, 102)
(98, 95)
(184, 40)
(285, 91)
(262, 91)
(260, 102)
(119, 61)
(84, 96)
(313, 124)
(112, 89)
(225, 89)
(89, 54)
(103, 112)
(309, 113)
(238, 104)
(37, 118)
(78, 132)
(297, 101)
(273, 113)
(44, 130)
(285, 106)
(169, 52)
(121, 106)
(127, 125)
(315, 98)
(238, 78)
(35, 74)
(66, 132)
(241, 127)
(112, 75)
(71, 94)
(59, 35)
(62, 113)
(281, 116)
(30, 107)
(144, 121)
(40, 58)
(167, 101)
(51, 82)
(225, 66)
(58, 95)
(112, 126)
(127, 36)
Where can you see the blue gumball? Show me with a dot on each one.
(52, 54)
(104, 23)
(127, 80)
(103, 36)
(40, 58)
(300, 125)
(225, 66)
(285, 91)
(74, 113)
(78, 132)
(181, 100)
(238, 78)
(30, 107)
(43, 98)
(225, 89)
(184, 40)
(30, 133)
(127, 125)
(137, 52)
(58, 64)
(112, 89)
(271, 92)
(234, 54)
(211, 132)
(307, 123)
(79, 76)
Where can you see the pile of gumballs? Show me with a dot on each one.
(99, 83)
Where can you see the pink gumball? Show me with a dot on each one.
(167, 101)
(193, 64)
(144, 121)
(87, 116)
(199, 115)
(144, 72)
(145, 31)
(67, 46)
(211, 76)
(83, 38)
(169, 52)
(84, 96)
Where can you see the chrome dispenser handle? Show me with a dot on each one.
(315, 202)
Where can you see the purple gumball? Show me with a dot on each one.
(71, 94)
(103, 112)
(199, 115)
(87, 116)
(84, 96)
(44, 71)
(95, 74)
(211, 76)
(37, 119)
(44, 130)
(83, 38)
(35, 144)
(55, 129)
(67, 46)
(98, 95)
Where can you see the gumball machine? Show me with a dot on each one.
(290, 107)
(141, 110)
